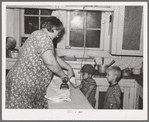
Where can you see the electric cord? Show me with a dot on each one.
(84, 42)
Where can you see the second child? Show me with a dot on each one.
(113, 94)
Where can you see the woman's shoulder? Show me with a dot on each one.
(40, 35)
(38, 32)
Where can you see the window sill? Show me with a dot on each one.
(81, 52)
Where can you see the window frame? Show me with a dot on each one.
(23, 15)
(105, 29)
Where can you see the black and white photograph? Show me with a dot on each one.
(74, 61)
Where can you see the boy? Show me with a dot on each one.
(88, 85)
(113, 94)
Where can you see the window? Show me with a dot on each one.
(84, 28)
(88, 29)
(32, 19)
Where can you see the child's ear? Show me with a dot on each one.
(116, 77)
(89, 75)
(52, 30)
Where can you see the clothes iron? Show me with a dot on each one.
(64, 84)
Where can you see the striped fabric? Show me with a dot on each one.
(85, 87)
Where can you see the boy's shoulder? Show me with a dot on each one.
(91, 80)
(116, 87)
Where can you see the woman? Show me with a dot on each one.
(28, 79)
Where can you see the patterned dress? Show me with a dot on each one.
(28, 79)
(85, 87)
(109, 97)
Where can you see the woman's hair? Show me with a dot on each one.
(117, 71)
(52, 22)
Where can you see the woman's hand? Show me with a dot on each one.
(70, 73)
(65, 65)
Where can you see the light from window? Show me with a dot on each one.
(85, 29)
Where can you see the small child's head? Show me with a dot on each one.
(87, 71)
(113, 74)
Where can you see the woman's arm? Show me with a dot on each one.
(51, 62)
(66, 66)
(62, 63)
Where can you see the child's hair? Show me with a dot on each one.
(117, 71)
(88, 68)
(52, 22)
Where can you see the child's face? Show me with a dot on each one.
(84, 75)
(111, 77)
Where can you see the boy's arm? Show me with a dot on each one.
(118, 101)
(80, 86)
(89, 91)
(75, 85)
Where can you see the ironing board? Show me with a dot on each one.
(78, 101)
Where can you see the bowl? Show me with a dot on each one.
(10, 43)
(12, 53)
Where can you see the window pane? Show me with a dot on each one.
(76, 20)
(77, 33)
(93, 19)
(43, 18)
(93, 38)
(31, 24)
(32, 11)
(46, 12)
(76, 38)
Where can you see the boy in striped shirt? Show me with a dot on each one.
(88, 85)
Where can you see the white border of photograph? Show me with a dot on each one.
(74, 114)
